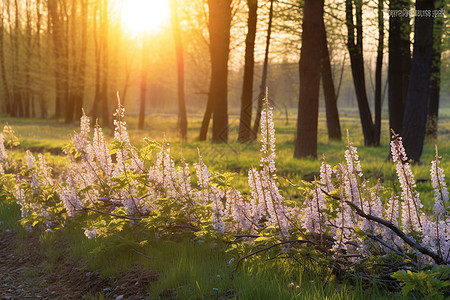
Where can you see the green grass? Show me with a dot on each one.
(200, 270)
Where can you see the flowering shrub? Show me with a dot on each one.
(343, 222)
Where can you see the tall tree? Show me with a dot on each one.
(355, 50)
(4, 78)
(332, 113)
(182, 115)
(379, 70)
(414, 120)
(219, 34)
(435, 79)
(143, 84)
(245, 130)
(262, 86)
(309, 69)
(105, 59)
(399, 63)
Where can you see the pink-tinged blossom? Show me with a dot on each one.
(3, 155)
(130, 201)
(184, 188)
(411, 205)
(314, 218)
(325, 176)
(81, 140)
(162, 174)
(44, 170)
(91, 234)
(31, 164)
(71, 200)
(257, 200)
(277, 212)
(85, 126)
(202, 173)
(238, 209)
(439, 186)
(268, 140)
(217, 209)
(101, 152)
(120, 130)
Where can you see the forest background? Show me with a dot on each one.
(212, 59)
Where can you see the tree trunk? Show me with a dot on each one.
(379, 71)
(309, 69)
(262, 87)
(98, 64)
(399, 64)
(56, 31)
(355, 51)
(4, 78)
(219, 33)
(245, 130)
(182, 116)
(82, 65)
(143, 86)
(105, 67)
(435, 79)
(414, 120)
(206, 117)
(73, 74)
(332, 113)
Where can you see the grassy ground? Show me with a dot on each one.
(195, 270)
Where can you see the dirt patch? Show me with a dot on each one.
(23, 275)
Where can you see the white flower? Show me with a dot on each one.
(268, 140)
(439, 186)
(91, 234)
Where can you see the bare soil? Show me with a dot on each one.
(25, 273)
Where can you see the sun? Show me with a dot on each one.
(145, 16)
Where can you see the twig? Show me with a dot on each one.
(270, 247)
(112, 215)
(141, 254)
(374, 237)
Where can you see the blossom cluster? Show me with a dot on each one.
(120, 180)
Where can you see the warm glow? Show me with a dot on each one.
(145, 16)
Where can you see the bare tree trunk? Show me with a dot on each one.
(57, 37)
(399, 64)
(435, 79)
(357, 65)
(309, 69)
(262, 87)
(414, 120)
(73, 73)
(379, 71)
(206, 117)
(182, 115)
(219, 34)
(332, 113)
(98, 64)
(82, 64)
(143, 86)
(17, 96)
(245, 130)
(42, 100)
(105, 69)
(4, 78)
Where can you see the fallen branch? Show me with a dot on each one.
(394, 228)
(399, 233)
